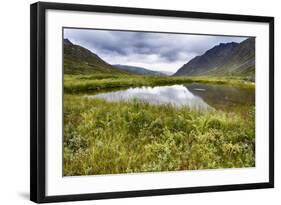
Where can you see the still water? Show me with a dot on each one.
(198, 96)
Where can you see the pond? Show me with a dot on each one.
(197, 96)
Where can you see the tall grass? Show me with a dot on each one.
(122, 137)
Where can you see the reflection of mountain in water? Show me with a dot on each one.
(222, 96)
(197, 96)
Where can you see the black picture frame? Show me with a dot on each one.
(38, 100)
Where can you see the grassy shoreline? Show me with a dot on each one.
(84, 83)
(103, 137)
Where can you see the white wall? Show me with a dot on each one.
(14, 101)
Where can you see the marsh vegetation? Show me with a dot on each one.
(106, 137)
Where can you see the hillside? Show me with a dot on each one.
(223, 59)
(138, 70)
(79, 60)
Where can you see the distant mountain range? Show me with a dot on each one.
(223, 59)
(139, 70)
(79, 60)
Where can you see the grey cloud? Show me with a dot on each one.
(167, 47)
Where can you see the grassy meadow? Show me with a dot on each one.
(96, 82)
(103, 137)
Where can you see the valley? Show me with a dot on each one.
(124, 132)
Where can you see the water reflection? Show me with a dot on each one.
(198, 96)
(223, 97)
(176, 95)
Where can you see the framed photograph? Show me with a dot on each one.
(129, 102)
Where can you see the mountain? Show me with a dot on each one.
(79, 60)
(223, 59)
(168, 73)
(138, 70)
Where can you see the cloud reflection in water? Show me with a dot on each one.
(176, 95)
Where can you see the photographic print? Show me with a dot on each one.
(137, 101)
(132, 102)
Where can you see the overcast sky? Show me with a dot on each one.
(155, 51)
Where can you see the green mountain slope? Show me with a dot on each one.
(223, 59)
(242, 61)
(79, 60)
